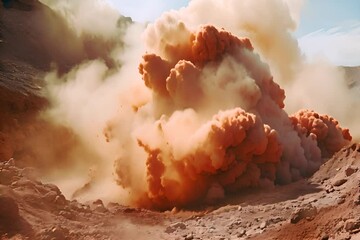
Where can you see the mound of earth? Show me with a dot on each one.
(30, 209)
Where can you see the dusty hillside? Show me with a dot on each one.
(34, 40)
(352, 75)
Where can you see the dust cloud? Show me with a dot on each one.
(191, 108)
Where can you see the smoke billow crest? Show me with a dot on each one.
(192, 112)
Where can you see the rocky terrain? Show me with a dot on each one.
(324, 206)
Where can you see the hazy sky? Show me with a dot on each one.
(331, 29)
(328, 28)
(325, 14)
(147, 10)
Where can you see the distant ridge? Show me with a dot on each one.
(352, 75)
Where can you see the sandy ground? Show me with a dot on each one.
(325, 206)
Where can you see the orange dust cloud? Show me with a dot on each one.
(242, 138)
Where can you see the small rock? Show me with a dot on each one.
(325, 237)
(339, 182)
(130, 210)
(275, 220)
(263, 225)
(98, 206)
(357, 199)
(56, 233)
(113, 205)
(100, 209)
(239, 208)
(339, 226)
(67, 214)
(50, 196)
(342, 236)
(23, 183)
(52, 187)
(351, 225)
(10, 162)
(341, 200)
(237, 222)
(98, 202)
(234, 224)
(350, 170)
(60, 200)
(173, 227)
(189, 237)
(84, 208)
(170, 229)
(75, 205)
(308, 212)
(178, 225)
(329, 189)
(241, 233)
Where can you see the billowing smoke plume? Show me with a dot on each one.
(200, 115)
(242, 136)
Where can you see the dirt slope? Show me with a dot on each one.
(34, 40)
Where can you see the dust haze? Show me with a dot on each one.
(206, 101)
